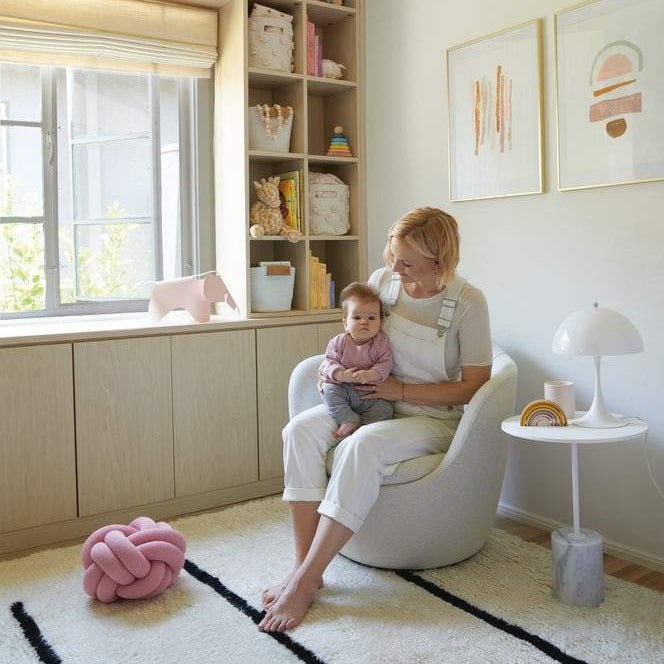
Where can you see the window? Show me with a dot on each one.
(98, 187)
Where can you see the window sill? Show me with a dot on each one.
(23, 332)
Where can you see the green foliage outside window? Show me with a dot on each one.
(101, 274)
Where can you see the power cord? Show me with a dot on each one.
(645, 456)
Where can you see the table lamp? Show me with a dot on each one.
(596, 332)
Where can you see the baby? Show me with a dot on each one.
(362, 355)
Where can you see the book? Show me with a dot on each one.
(313, 269)
(291, 191)
(317, 55)
(328, 290)
(311, 59)
(289, 202)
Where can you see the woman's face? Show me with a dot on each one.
(411, 265)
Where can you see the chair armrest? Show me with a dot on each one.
(302, 390)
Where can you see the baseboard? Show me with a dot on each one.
(74, 529)
(611, 547)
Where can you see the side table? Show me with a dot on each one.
(577, 562)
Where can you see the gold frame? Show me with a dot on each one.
(537, 22)
(557, 90)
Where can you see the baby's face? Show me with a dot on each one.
(362, 320)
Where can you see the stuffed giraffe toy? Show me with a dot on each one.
(266, 216)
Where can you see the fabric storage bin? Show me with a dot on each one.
(270, 39)
(275, 137)
(269, 291)
(329, 205)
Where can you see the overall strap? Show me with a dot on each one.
(388, 293)
(452, 292)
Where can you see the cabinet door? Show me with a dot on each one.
(279, 349)
(326, 331)
(214, 410)
(37, 448)
(124, 423)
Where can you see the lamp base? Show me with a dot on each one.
(591, 421)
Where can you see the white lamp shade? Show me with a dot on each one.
(597, 331)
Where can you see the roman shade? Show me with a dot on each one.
(130, 35)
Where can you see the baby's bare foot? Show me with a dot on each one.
(345, 429)
(291, 606)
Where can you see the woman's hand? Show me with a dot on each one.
(390, 389)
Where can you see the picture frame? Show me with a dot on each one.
(494, 87)
(609, 93)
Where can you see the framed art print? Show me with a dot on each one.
(610, 93)
(494, 89)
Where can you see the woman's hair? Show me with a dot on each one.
(361, 292)
(433, 233)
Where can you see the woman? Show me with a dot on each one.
(438, 327)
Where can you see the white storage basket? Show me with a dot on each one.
(270, 39)
(329, 205)
(259, 139)
(271, 292)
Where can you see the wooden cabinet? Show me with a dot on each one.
(214, 411)
(326, 331)
(124, 423)
(278, 350)
(319, 104)
(37, 448)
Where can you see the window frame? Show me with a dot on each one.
(195, 207)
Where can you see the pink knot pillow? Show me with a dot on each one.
(132, 562)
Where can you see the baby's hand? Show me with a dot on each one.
(346, 376)
(365, 376)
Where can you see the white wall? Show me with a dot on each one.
(537, 258)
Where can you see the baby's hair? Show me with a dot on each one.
(359, 291)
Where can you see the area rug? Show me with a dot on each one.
(495, 607)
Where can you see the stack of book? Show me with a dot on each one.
(291, 193)
(321, 286)
(314, 50)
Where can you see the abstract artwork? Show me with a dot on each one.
(495, 117)
(610, 93)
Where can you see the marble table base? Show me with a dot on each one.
(578, 567)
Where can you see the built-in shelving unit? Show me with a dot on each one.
(319, 105)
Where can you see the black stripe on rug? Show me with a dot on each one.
(34, 636)
(254, 614)
(514, 630)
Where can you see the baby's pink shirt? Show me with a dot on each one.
(343, 353)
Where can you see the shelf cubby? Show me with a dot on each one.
(324, 113)
(342, 261)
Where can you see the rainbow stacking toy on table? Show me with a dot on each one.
(339, 144)
(543, 413)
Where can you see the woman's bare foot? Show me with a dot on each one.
(290, 607)
(346, 429)
(271, 594)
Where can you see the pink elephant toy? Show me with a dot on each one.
(191, 293)
(132, 562)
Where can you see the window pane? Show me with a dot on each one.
(113, 261)
(20, 93)
(21, 180)
(105, 104)
(169, 120)
(22, 283)
(112, 180)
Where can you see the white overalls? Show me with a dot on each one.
(373, 451)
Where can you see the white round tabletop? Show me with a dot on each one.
(635, 428)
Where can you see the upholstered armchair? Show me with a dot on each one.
(438, 509)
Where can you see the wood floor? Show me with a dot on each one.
(614, 566)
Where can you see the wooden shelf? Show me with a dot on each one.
(323, 87)
(259, 156)
(324, 159)
(326, 13)
(271, 78)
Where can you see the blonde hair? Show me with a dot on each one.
(433, 233)
(361, 292)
